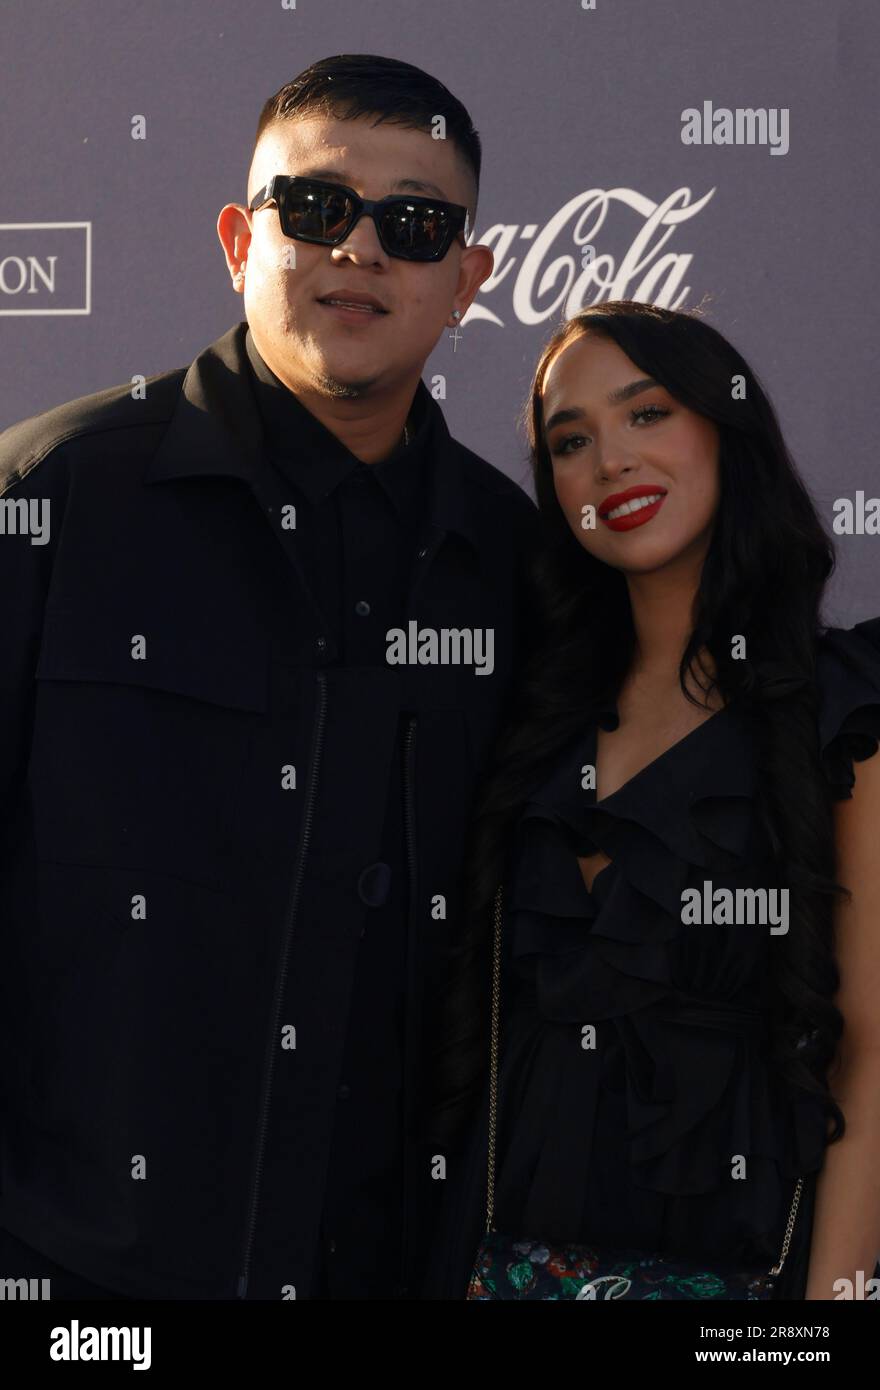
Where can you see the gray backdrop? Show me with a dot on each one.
(569, 102)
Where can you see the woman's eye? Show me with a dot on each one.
(565, 445)
(648, 413)
(642, 414)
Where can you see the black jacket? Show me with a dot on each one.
(180, 924)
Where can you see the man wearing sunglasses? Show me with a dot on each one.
(233, 829)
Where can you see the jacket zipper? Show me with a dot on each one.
(269, 1066)
(411, 854)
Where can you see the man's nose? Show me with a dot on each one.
(362, 245)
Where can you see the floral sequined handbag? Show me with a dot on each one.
(539, 1270)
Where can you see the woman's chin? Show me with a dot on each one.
(641, 556)
(634, 553)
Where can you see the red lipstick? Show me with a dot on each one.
(638, 515)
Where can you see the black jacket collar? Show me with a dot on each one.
(216, 430)
(312, 458)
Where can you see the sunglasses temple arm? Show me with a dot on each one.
(260, 197)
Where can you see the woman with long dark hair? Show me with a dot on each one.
(685, 846)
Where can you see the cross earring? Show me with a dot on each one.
(456, 314)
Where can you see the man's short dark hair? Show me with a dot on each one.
(361, 84)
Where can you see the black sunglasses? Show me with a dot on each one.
(413, 229)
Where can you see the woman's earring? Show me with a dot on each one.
(238, 278)
(456, 314)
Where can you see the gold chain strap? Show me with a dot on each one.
(493, 1096)
(493, 1061)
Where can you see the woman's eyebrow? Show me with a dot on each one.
(623, 393)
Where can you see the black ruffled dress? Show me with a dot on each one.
(633, 1140)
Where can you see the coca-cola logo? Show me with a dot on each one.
(542, 287)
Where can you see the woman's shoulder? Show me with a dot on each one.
(848, 685)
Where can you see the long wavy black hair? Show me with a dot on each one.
(768, 561)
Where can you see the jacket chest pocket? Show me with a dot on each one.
(139, 747)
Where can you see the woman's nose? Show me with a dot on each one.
(615, 463)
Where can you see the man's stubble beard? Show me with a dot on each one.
(339, 388)
(344, 390)
(315, 375)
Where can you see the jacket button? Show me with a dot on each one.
(362, 608)
(343, 1091)
(374, 883)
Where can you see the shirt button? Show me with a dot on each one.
(321, 644)
(374, 883)
(362, 608)
(331, 1246)
(423, 552)
(343, 1091)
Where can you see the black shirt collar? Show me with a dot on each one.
(214, 431)
(312, 458)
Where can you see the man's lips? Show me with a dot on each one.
(623, 511)
(352, 307)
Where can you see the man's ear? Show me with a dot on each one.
(234, 231)
(477, 264)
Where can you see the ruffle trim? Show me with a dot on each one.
(698, 1082)
(848, 675)
(689, 808)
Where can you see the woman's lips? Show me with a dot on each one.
(631, 508)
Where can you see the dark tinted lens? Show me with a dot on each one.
(415, 230)
(316, 211)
